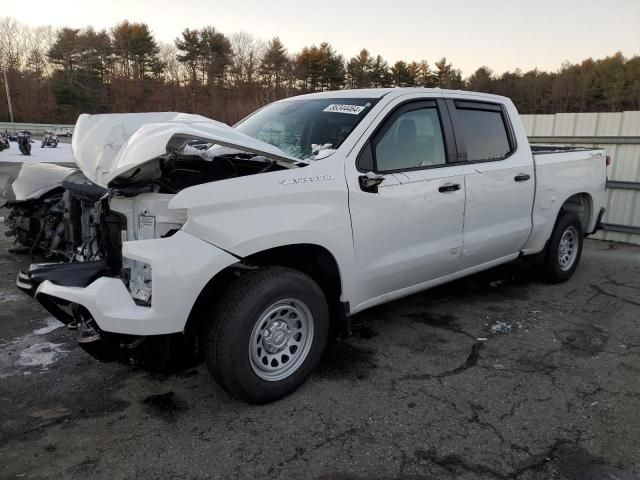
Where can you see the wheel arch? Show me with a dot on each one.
(313, 260)
(582, 205)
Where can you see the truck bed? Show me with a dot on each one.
(546, 149)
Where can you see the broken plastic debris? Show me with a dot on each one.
(500, 327)
(481, 339)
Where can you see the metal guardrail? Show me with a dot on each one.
(621, 185)
(35, 128)
(613, 184)
(614, 227)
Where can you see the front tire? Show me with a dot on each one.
(268, 334)
(564, 248)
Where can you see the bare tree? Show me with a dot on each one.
(246, 54)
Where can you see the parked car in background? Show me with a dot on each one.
(306, 212)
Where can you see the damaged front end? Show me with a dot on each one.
(112, 289)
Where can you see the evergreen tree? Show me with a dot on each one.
(360, 69)
(380, 74)
(275, 66)
(401, 75)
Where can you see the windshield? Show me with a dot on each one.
(302, 128)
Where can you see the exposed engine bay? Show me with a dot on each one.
(38, 225)
(177, 171)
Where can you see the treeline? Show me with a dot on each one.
(56, 74)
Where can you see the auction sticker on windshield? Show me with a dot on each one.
(350, 109)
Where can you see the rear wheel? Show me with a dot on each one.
(564, 248)
(267, 334)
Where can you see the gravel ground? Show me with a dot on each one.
(495, 376)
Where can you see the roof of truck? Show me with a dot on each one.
(396, 91)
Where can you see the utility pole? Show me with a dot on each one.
(6, 86)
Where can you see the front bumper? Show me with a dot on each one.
(181, 265)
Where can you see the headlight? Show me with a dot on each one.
(139, 280)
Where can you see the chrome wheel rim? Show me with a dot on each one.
(568, 248)
(281, 340)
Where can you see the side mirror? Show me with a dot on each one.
(369, 182)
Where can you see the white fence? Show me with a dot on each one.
(34, 128)
(619, 134)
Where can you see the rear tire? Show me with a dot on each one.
(267, 334)
(564, 248)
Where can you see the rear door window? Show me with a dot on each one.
(484, 131)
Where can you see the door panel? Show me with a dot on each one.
(409, 231)
(498, 213)
(499, 183)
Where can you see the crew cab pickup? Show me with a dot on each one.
(252, 241)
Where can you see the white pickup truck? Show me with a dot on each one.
(255, 241)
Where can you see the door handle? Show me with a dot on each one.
(369, 182)
(449, 187)
(522, 177)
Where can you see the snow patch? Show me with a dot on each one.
(10, 297)
(52, 324)
(41, 355)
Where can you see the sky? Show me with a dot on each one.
(501, 34)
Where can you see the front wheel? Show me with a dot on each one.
(268, 333)
(564, 248)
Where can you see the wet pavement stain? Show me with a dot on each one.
(586, 342)
(470, 361)
(85, 467)
(344, 361)
(455, 462)
(364, 331)
(438, 320)
(164, 405)
(576, 463)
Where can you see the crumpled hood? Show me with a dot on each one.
(106, 146)
(34, 180)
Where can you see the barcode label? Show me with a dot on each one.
(350, 109)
